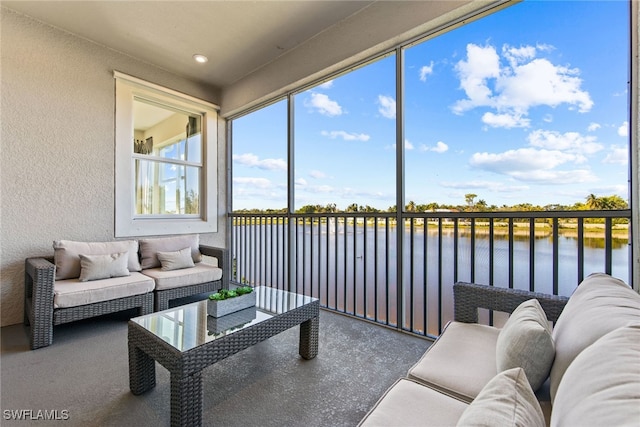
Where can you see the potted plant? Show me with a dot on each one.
(227, 301)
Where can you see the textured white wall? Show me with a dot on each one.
(57, 145)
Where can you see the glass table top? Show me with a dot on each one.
(188, 326)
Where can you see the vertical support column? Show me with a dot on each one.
(400, 186)
(291, 176)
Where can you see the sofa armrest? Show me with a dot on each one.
(469, 297)
(222, 255)
(39, 276)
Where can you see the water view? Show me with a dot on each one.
(347, 263)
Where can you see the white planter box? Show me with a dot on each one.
(230, 305)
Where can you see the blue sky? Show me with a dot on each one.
(528, 105)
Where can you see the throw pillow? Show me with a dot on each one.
(599, 305)
(176, 260)
(601, 387)
(96, 267)
(67, 261)
(149, 248)
(525, 341)
(506, 400)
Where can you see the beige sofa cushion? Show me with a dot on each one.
(67, 260)
(73, 292)
(525, 341)
(602, 385)
(96, 267)
(507, 400)
(460, 362)
(599, 305)
(408, 403)
(149, 248)
(201, 273)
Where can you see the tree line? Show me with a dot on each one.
(472, 204)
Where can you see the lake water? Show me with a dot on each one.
(335, 262)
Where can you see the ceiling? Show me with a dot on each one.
(238, 37)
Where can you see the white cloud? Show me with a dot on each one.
(512, 88)
(323, 104)
(261, 183)
(518, 55)
(407, 145)
(253, 161)
(576, 176)
(505, 120)
(320, 189)
(301, 182)
(440, 147)
(617, 155)
(593, 127)
(387, 106)
(326, 85)
(425, 71)
(571, 142)
(317, 174)
(533, 165)
(345, 135)
(495, 186)
(623, 130)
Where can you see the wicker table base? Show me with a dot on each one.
(185, 365)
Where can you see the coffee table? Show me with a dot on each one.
(185, 340)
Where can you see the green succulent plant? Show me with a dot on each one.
(224, 294)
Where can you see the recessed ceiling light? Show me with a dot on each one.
(200, 58)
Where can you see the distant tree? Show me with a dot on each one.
(308, 209)
(368, 208)
(613, 202)
(331, 208)
(481, 205)
(353, 207)
(469, 199)
(593, 202)
(411, 206)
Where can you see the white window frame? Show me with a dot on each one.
(127, 223)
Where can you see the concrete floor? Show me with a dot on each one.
(84, 375)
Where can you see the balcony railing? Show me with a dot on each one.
(365, 265)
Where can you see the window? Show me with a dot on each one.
(165, 161)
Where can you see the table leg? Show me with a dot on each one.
(186, 400)
(142, 370)
(308, 347)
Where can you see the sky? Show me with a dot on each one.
(527, 105)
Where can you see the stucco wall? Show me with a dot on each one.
(57, 145)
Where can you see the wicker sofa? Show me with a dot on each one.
(88, 279)
(584, 371)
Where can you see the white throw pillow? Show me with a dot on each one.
(599, 305)
(506, 400)
(525, 341)
(96, 267)
(601, 387)
(149, 248)
(176, 260)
